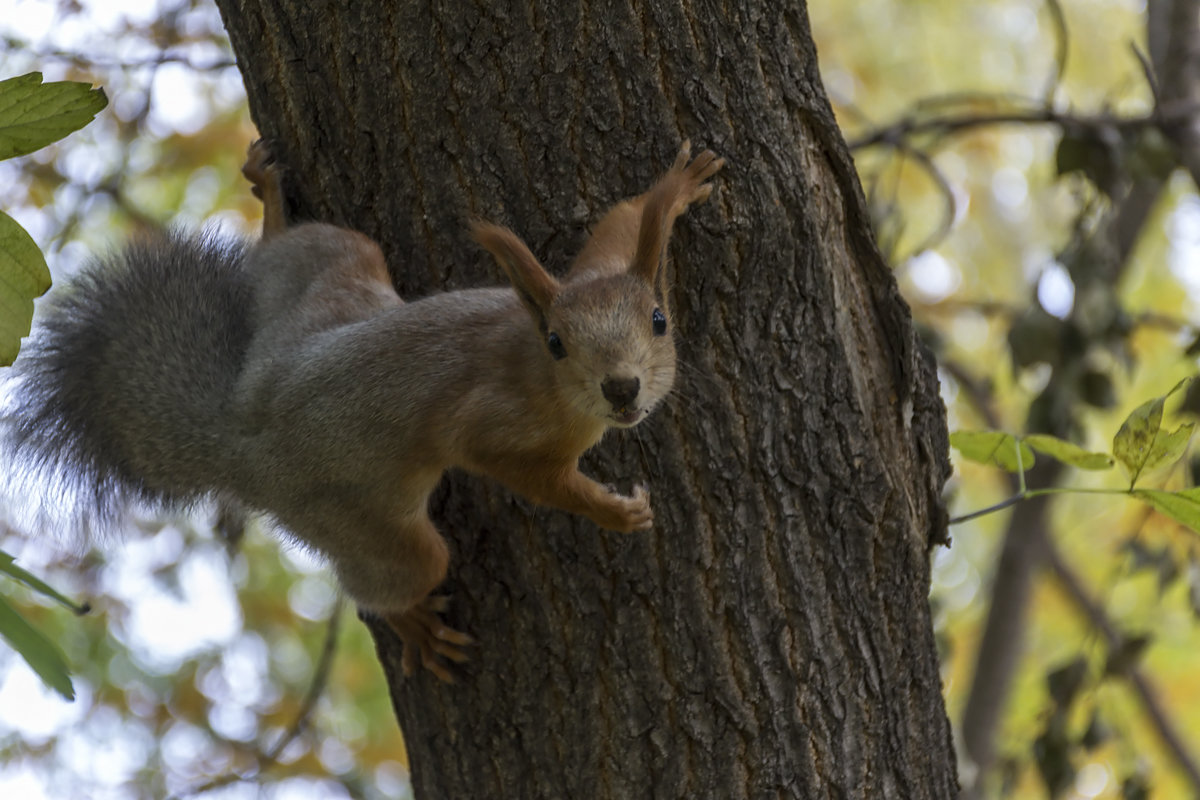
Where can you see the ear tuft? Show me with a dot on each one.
(536, 287)
(683, 185)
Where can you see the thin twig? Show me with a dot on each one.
(944, 189)
(999, 308)
(1003, 504)
(264, 759)
(1028, 494)
(1147, 72)
(1061, 49)
(316, 686)
(85, 61)
(960, 123)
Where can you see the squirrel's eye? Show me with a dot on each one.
(659, 320)
(556, 346)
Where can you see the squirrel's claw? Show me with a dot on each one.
(634, 512)
(259, 159)
(260, 166)
(642, 515)
(701, 168)
(705, 166)
(688, 176)
(681, 160)
(427, 639)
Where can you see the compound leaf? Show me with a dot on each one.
(38, 651)
(1182, 506)
(23, 276)
(1067, 452)
(993, 447)
(34, 114)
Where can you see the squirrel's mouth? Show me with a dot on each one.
(627, 416)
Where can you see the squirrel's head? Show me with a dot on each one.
(609, 337)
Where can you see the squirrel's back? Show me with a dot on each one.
(123, 388)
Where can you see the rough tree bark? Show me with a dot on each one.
(771, 636)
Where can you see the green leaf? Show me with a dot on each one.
(1168, 447)
(23, 276)
(1068, 453)
(33, 114)
(38, 651)
(1182, 506)
(8, 565)
(1135, 443)
(992, 447)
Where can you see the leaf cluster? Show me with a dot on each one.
(32, 115)
(1141, 445)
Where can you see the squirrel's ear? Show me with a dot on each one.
(653, 234)
(536, 287)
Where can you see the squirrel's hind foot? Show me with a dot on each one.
(265, 172)
(259, 166)
(427, 639)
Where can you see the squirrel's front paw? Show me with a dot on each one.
(632, 513)
(694, 189)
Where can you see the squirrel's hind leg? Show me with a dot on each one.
(262, 170)
(394, 581)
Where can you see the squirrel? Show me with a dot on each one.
(289, 377)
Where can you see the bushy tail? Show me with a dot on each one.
(123, 390)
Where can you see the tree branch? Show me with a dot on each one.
(1179, 79)
(1173, 113)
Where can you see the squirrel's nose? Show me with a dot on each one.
(620, 392)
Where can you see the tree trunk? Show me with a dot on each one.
(771, 636)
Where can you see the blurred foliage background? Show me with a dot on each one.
(197, 662)
(1041, 228)
(1049, 244)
